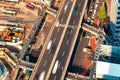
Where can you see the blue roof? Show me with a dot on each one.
(1, 70)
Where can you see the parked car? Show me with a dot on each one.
(30, 6)
(96, 6)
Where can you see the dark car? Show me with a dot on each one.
(74, 10)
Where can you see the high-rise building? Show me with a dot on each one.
(115, 21)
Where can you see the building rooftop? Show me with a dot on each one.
(109, 71)
(80, 54)
(110, 50)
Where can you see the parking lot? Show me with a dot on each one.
(93, 12)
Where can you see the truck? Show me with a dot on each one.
(49, 44)
(55, 67)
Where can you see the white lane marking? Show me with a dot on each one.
(45, 63)
(58, 29)
(55, 78)
(54, 40)
(79, 4)
(67, 42)
(63, 53)
(49, 51)
(61, 20)
(70, 32)
(74, 22)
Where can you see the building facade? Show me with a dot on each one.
(115, 21)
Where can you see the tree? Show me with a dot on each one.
(102, 13)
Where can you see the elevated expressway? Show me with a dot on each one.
(68, 43)
(63, 38)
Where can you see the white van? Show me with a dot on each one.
(55, 67)
(49, 44)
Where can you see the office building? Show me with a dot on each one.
(115, 21)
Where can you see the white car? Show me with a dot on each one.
(49, 45)
(93, 17)
(55, 67)
(94, 12)
(96, 6)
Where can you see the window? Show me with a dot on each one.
(118, 8)
(118, 13)
(118, 22)
(119, 1)
(115, 40)
(117, 31)
(117, 27)
(118, 17)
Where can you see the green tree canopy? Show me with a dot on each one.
(102, 13)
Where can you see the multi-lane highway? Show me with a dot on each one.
(49, 54)
(68, 40)
(62, 39)
(55, 38)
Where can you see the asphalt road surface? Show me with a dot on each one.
(67, 41)
(49, 54)
(56, 35)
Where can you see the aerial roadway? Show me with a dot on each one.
(67, 43)
(49, 54)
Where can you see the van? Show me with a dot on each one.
(49, 45)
